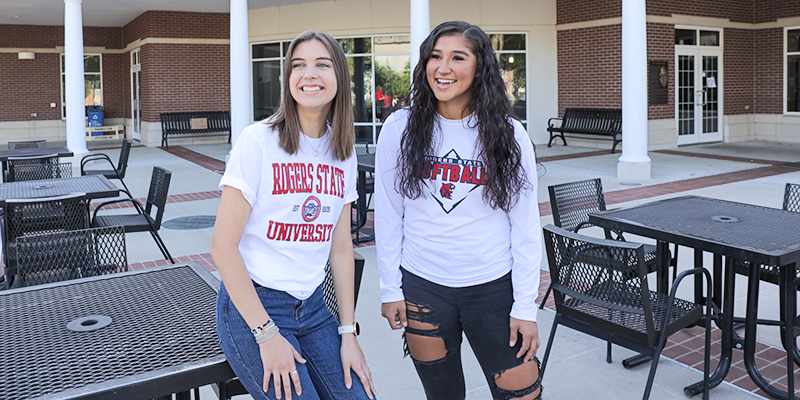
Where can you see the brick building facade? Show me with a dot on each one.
(186, 61)
(574, 47)
(751, 52)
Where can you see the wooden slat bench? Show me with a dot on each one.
(196, 123)
(605, 123)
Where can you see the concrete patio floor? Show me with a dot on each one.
(741, 172)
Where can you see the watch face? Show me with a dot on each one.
(357, 328)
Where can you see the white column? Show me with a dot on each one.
(420, 27)
(240, 69)
(73, 65)
(634, 164)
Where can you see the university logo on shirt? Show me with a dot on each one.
(450, 179)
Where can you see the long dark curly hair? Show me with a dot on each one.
(499, 151)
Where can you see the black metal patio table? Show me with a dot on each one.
(95, 187)
(366, 163)
(43, 151)
(727, 229)
(133, 335)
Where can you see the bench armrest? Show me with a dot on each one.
(550, 123)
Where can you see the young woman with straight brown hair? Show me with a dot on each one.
(285, 212)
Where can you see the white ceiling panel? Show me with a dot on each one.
(113, 12)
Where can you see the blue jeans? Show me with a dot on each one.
(308, 325)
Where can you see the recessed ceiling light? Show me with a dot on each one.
(15, 16)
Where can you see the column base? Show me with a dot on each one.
(636, 171)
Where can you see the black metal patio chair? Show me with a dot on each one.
(772, 273)
(26, 217)
(15, 163)
(369, 189)
(142, 220)
(30, 144)
(571, 204)
(60, 256)
(601, 289)
(117, 172)
(234, 387)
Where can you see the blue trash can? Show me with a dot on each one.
(95, 114)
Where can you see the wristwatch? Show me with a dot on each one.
(354, 329)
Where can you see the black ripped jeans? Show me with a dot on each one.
(482, 313)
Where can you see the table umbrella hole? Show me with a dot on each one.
(89, 323)
(724, 218)
(43, 187)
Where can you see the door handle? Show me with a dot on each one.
(701, 98)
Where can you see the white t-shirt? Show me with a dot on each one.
(295, 199)
(450, 236)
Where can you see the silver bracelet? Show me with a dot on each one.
(267, 335)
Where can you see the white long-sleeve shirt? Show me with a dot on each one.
(450, 236)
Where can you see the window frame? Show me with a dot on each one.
(63, 74)
(786, 55)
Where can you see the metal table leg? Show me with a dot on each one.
(751, 325)
(726, 325)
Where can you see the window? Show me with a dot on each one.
(689, 37)
(92, 80)
(793, 70)
(380, 75)
(510, 49)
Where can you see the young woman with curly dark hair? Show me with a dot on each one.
(457, 221)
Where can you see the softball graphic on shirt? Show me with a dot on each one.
(450, 179)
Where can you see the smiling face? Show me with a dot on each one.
(451, 69)
(313, 79)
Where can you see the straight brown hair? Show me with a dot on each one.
(340, 116)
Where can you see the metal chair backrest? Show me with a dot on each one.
(791, 197)
(14, 162)
(32, 144)
(610, 274)
(32, 172)
(157, 196)
(124, 153)
(25, 217)
(60, 256)
(328, 291)
(362, 149)
(572, 203)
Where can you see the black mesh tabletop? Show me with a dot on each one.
(766, 235)
(61, 151)
(162, 330)
(95, 187)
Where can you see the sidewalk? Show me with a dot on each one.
(745, 172)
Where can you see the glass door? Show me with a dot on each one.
(136, 100)
(698, 95)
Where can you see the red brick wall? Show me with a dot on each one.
(29, 86)
(178, 77)
(590, 67)
(48, 36)
(175, 24)
(116, 86)
(569, 11)
(738, 69)
(768, 64)
(661, 47)
(771, 10)
(735, 10)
